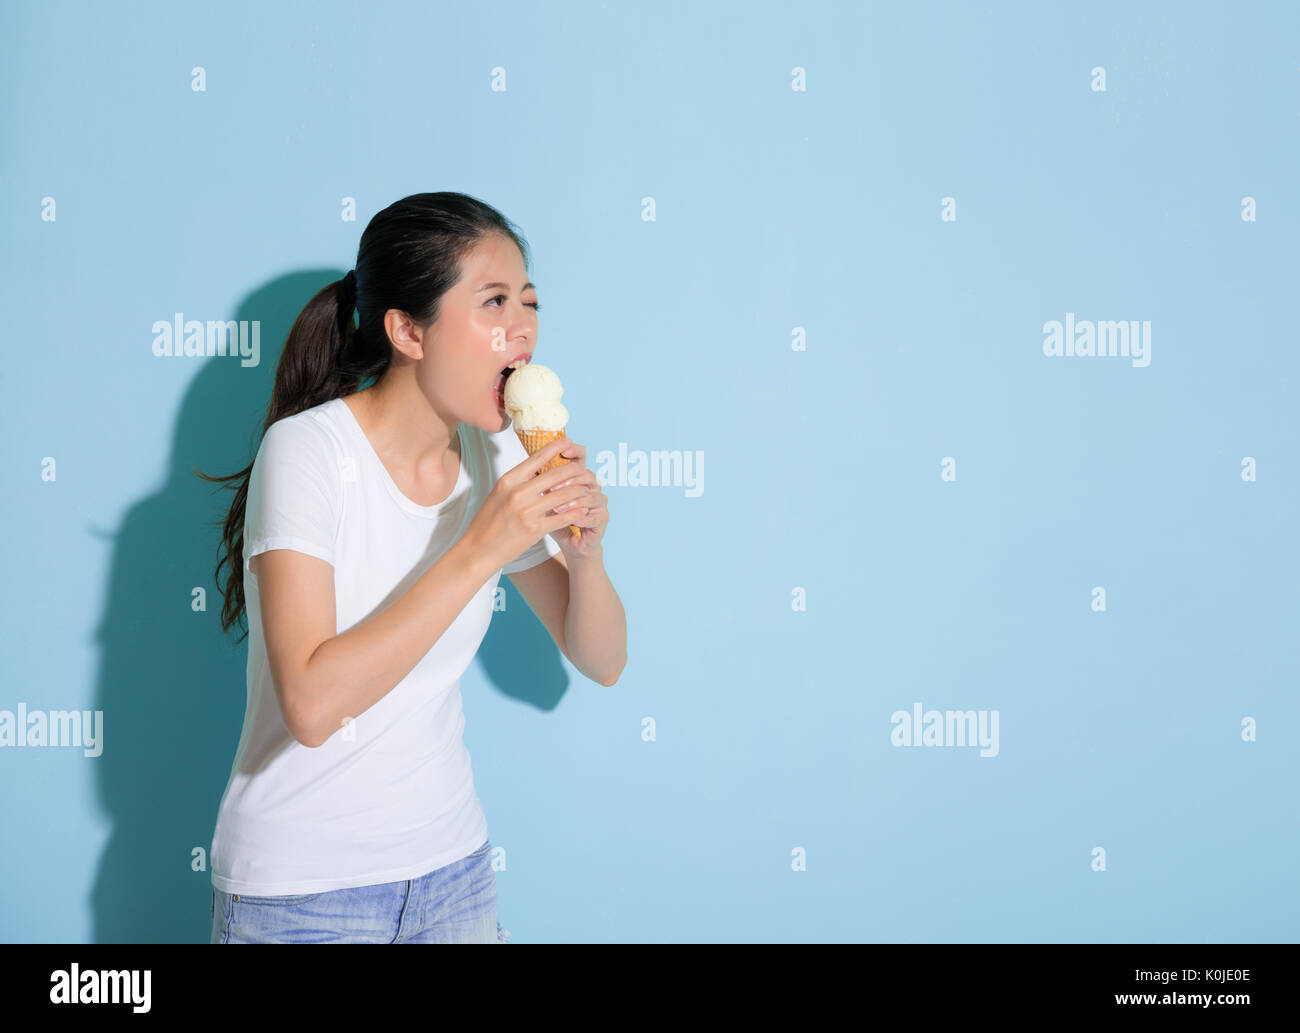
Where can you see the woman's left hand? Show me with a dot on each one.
(590, 512)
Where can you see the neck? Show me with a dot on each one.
(404, 429)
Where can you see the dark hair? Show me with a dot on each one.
(409, 257)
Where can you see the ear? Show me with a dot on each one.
(404, 333)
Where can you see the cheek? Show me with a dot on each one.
(485, 334)
(453, 367)
(497, 345)
(438, 379)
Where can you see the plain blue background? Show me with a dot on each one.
(775, 209)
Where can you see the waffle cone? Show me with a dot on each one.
(536, 440)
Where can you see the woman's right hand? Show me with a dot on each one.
(521, 506)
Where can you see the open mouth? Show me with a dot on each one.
(503, 376)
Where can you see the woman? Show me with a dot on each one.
(370, 532)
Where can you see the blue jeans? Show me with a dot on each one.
(456, 903)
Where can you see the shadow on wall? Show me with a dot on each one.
(172, 685)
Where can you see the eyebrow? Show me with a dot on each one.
(488, 286)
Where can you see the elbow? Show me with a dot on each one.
(301, 722)
(614, 680)
(310, 741)
(305, 734)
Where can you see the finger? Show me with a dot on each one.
(560, 521)
(580, 518)
(581, 476)
(590, 498)
(549, 480)
(548, 503)
(530, 466)
(582, 508)
(572, 498)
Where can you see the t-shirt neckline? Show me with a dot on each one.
(408, 504)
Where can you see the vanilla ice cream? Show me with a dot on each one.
(532, 396)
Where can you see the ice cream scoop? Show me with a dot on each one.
(532, 397)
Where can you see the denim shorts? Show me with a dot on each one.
(456, 903)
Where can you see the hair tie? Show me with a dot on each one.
(348, 299)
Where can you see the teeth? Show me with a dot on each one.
(518, 364)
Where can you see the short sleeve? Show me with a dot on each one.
(294, 492)
(509, 453)
(536, 553)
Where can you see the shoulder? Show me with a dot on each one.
(503, 448)
(311, 438)
(316, 429)
(496, 451)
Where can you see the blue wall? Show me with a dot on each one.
(742, 221)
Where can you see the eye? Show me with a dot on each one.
(535, 305)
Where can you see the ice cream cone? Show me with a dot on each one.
(536, 440)
(531, 395)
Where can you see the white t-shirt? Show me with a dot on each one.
(392, 796)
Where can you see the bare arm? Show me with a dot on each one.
(595, 626)
(322, 678)
(577, 604)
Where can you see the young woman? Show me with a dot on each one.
(367, 538)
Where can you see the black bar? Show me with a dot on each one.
(925, 981)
